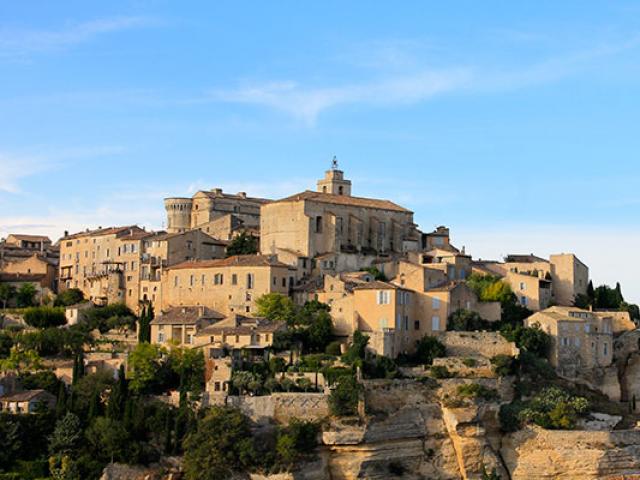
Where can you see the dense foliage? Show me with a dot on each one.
(45, 317)
(243, 244)
(69, 297)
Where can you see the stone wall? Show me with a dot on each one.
(282, 407)
(473, 344)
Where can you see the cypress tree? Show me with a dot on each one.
(618, 298)
(167, 432)
(94, 406)
(61, 404)
(591, 293)
(141, 325)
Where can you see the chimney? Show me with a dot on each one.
(217, 191)
(242, 194)
(66, 233)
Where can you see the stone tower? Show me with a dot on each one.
(178, 214)
(334, 182)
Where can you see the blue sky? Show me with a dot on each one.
(515, 123)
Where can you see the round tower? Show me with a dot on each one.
(178, 214)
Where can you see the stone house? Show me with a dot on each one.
(27, 401)
(580, 339)
(230, 285)
(180, 325)
(74, 313)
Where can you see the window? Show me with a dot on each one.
(237, 338)
(605, 349)
(435, 303)
(565, 341)
(218, 279)
(249, 280)
(577, 341)
(133, 265)
(234, 279)
(435, 323)
(133, 248)
(406, 323)
(587, 328)
(340, 190)
(523, 286)
(160, 337)
(523, 300)
(189, 338)
(192, 280)
(175, 281)
(416, 324)
(202, 280)
(284, 282)
(383, 297)
(318, 224)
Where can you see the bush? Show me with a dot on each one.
(469, 362)
(465, 320)
(343, 400)
(554, 408)
(503, 365)
(45, 317)
(427, 349)
(440, 371)
(529, 339)
(69, 297)
(333, 348)
(475, 390)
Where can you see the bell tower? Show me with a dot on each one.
(334, 182)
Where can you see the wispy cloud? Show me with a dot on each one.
(16, 42)
(15, 167)
(307, 103)
(415, 84)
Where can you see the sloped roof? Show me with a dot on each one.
(518, 258)
(330, 198)
(186, 316)
(25, 396)
(234, 261)
(30, 238)
(377, 285)
(240, 325)
(103, 231)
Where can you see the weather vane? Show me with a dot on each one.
(334, 163)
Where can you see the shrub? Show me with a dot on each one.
(440, 371)
(503, 365)
(427, 349)
(465, 320)
(475, 390)
(469, 362)
(333, 348)
(554, 408)
(529, 339)
(69, 297)
(343, 400)
(45, 317)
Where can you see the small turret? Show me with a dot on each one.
(334, 182)
(178, 214)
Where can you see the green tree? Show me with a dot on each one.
(26, 295)
(343, 400)
(221, 445)
(377, 274)
(7, 292)
(118, 396)
(21, 360)
(276, 307)
(107, 438)
(529, 339)
(188, 364)
(243, 244)
(144, 365)
(69, 297)
(67, 435)
(10, 440)
(466, 320)
(356, 352)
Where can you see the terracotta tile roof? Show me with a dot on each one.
(186, 316)
(235, 196)
(446, 287)
(25, 396)
(531, 258)
(102, 231)
(235, 261)
(320, 197)
(241, 325)
(377, 285)
(162, 236)
(22, 277)
(30, 238)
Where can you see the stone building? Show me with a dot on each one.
(124, 264)
(27, 402)
(580, 339)
(180, 325)
(537, 282)
(230, 285)
(206, 206)
(350, 231)
(30, 259)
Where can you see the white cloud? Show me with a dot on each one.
(611, 253)
(20, 42)
(416, 84)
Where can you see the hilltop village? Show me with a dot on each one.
(318, 336)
